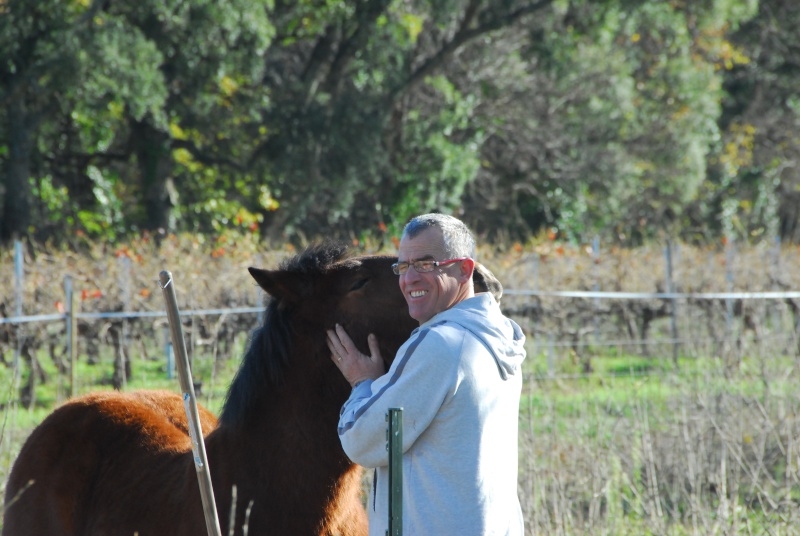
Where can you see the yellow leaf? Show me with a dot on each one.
(228, 86)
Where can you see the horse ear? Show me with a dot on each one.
(280, 284)
(484, 281)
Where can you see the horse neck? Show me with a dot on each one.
(291, 424)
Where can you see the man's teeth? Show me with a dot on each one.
(418, 293)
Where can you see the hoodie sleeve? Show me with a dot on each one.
(420, 379)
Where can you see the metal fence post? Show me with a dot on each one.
(670, 288)
(124, 284)
(190, 405)
(729, 304)
(394, 444)
(71, 300)
(19, 272)
(596, 301)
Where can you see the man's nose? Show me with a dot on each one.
(411, 275)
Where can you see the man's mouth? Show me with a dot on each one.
(417, 293)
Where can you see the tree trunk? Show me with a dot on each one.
(154, 162)
(15, 191)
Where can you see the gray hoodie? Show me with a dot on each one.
(458, 381)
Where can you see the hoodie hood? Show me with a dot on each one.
(481, 316)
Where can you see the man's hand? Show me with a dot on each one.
(354, 366)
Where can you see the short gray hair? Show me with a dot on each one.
(458, 239)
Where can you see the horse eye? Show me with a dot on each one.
(358, 284)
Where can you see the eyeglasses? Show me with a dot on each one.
(424, 266)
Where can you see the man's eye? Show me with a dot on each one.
(425, 265)
(401, 268)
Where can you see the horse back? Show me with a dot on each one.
(104, 463)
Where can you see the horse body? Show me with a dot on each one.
(121, 463)
(91, 466)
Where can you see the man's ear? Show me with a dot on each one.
(467, 267)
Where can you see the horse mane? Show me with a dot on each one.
(271, 344)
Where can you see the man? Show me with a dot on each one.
(458, 380)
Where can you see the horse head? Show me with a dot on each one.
(323, 286)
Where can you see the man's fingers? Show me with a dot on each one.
(344, 339)
(337, 351)
(374, 348)
(349, 359)
(331, 342)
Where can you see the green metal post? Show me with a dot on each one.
(394, 444)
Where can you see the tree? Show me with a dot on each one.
(754, 186)
(612, 116)
(40, 47)
(320, 117)
(94, 93)
(364, 125)
(212, 62)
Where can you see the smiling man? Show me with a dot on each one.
(458, 380)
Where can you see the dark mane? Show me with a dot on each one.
(270, 347)
(316, 258)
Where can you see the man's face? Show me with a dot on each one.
(430, 293)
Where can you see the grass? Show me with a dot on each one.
(610, 442)
(638, 446)
(635, 446)
(213, 374)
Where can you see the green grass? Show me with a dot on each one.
(214, 377)
(595, 446)
(588, 441)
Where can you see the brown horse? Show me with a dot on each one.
(121, 463)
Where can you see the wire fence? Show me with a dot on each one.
(579, 325)
(582, 323)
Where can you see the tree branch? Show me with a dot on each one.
(202, 157)
(366, 15)
(465, 34)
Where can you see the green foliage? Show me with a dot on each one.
(751, 189)
(446, 154)
(638, 134)
(624, 119)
